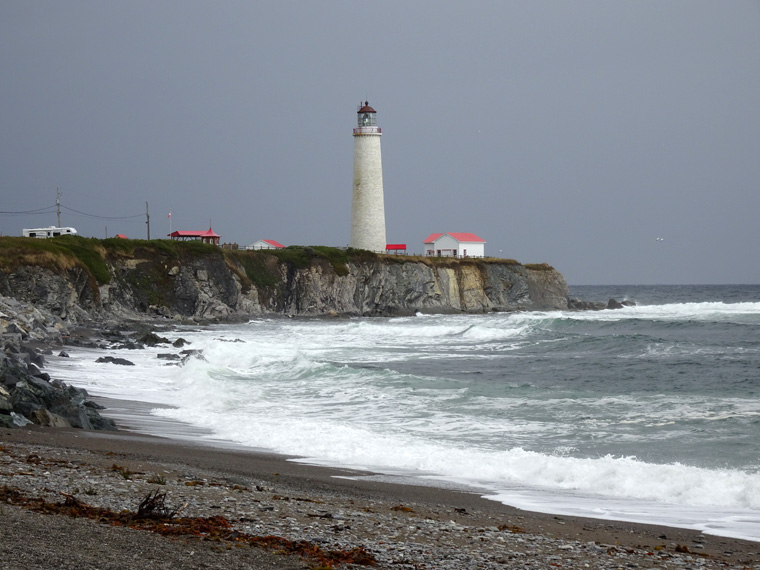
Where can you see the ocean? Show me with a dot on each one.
(649, 413)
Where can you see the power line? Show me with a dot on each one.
(57, 208)
(102, 217)
(45, 210)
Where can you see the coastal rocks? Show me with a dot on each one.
(27, 394)
(579, 305)
(53, 404)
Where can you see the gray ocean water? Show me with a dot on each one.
(648, 413)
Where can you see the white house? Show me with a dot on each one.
(265, 244)
(454, 245)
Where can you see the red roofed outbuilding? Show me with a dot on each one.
(454, 245)
(209, 236)
(265, 244)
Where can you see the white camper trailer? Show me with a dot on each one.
(44, 233)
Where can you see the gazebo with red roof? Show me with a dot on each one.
(208, 236)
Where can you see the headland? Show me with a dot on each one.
(220, 503)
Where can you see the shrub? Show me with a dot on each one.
(539, 266)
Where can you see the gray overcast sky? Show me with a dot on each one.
(572, 133)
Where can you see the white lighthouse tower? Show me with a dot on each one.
(367, 206)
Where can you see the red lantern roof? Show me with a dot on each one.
(366, 108)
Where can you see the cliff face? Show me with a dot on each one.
(214, 285)
(403, 288)
(45, 287)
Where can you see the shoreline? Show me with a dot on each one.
(403, 524)
(135, 416)
(394, 521)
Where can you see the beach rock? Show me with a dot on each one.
(575, 304)
(18, 420)
(43, 376)
(191, 353)
(152, 339)
(168, 356)
(27, 393)
(115, 360)
(6, 407)
(46, 418)
(613, 304)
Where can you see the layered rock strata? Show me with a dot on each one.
(42, 303)
(215, 287)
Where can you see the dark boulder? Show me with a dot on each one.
(168, 356)
(152, 339)
(35, 357)
(579, 305)
(613, 304)
(115, 360)
(192, 353)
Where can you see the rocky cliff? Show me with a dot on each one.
(48, 286)
(81, 279)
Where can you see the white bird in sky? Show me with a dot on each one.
(660, 239)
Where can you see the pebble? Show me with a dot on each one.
(398, 539)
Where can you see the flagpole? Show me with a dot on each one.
(170, 222)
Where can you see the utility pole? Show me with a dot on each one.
(58, 204)
(147, 218)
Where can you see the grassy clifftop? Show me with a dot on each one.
(92, 254)
(66, 252)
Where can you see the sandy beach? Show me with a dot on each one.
(330, 510)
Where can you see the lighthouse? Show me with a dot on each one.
(367, 205)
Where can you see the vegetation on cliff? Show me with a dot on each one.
(190, 278)
(260, 266)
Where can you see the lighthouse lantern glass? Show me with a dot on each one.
(367, 120)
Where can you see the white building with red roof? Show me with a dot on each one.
(454, 245)
(265, 244)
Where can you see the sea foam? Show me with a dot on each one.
(595, 413)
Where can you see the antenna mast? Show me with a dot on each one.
(147, 219)
(58, 204)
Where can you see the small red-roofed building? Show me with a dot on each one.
(265, 244)
(454, 245)
(206, 237)
(395, 248)
(121, 236)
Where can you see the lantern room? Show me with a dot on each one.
(367, 116)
